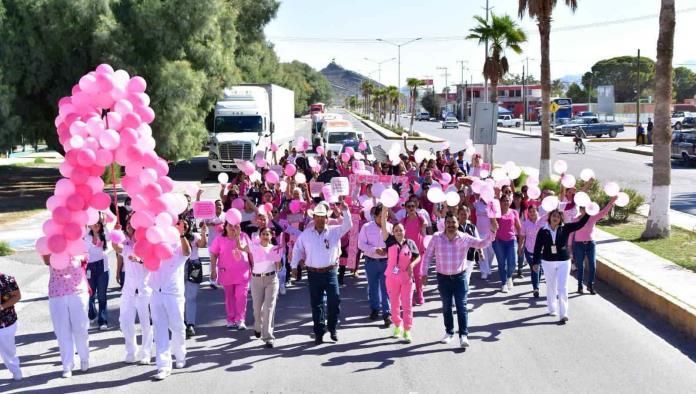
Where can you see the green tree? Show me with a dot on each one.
(576, 93)
(542, 10)
(413, 85)
(516, 79)
(684, 83)
(557, 89)
(431, 102)
(309, 85)
(501, 33)
(621, 72)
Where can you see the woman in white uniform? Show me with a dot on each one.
(97, 271)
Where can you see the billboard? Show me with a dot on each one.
(427, 82)
(605, 99)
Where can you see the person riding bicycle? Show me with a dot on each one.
(579, 134)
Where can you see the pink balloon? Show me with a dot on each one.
(154, 234)
(269, 207)
(104, 157)
(166, 183)
(290, 169)
(136, 85)
(238, 203)
(233, 216)
(100, 201)
(295, 206)
(61, 215)
(109, 139)
(72, 231)
(59, 261)
(152, 191)
(123, 107)
(75, 202)
(56, 243)
(113, 120)
(320, 150)
(86, 157)
(274, 147)
(64, 187)
(272, 177)
(53, 202)
(261, 163)
(51, 226)
(350, 151)
(164, 251)
(131, 119)
(76, 247)
(362, 146)
(104, 69)
(42, 246)
(345, 157)
(117, 237)
(92, 216)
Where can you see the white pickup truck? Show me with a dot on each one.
(508, 121)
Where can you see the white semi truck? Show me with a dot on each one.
(248, 119)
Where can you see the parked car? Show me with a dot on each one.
(689, 122)
(684, 146)
(450, 121)
(508, 121)
(679, 119)
(592, 127)
(423, 116)
(585, 113)
(559, 123)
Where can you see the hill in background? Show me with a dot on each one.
(344, 83)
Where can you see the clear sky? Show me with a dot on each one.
(315, 31)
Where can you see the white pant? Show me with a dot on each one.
(486, 262)
(70, 323)
(168, 315)
(470, 270)
(8, 349)
(556, 273)
(130, 305)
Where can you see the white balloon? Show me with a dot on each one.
(484, 173)
(377, 189)
(164, 219)
(420, 155)
(560, 167)
(223, 178)
(568, 181)
(549, 203)
(587, 174)
(487, 193)
(532, 181)
(611, 189)
(498, 174)
(283, 186)
(622, 199)
(452, 199)
(436, 196)
(515, 173)
(533, 192)
(581, 199)
(592, 208)
(300, 178)
(255, 176)
(508, 166)
(389, 198)
(179, 202)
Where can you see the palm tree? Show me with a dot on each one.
(366, 88)
(542, 10)
(392, 97)
(501, 33)
(658, 219)
(413, 84)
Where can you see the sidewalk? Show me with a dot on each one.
(678, 219)
(515, 131)
(390, 135)
(663, 287)
(646, 150)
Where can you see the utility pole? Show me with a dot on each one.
(463, 98)
(446, 74)
(488, 149)
(638, 90)
(398, 46)
(524, 101)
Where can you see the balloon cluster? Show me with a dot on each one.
(106, 120)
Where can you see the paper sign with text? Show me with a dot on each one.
(204, 210)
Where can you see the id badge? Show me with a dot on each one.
(554, 249)
(88, 274)
(395, 270)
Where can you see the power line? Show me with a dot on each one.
(345, 40)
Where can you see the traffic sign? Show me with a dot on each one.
(554, 107)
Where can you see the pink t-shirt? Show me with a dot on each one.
(529, 231)
(233, 264)
(586, 233)
(506, 225)
(265, 257)
(68, 281)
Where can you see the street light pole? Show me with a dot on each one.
(379, 65)
(463, 98)
(446, 84)
(398, 47)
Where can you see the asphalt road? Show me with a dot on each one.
(610, 344)
(628, 169)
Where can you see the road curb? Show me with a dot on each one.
(429, 138)
(677, 313)
(634, 151)
(611, 140)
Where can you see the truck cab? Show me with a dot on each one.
(248, 119)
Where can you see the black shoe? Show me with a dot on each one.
(536, 293)
(374, 315)
(257, 334)
(519, 274)
(269, 345)
(591, 289)
(581, 290)
(334, 336)
(190, 331)
(387, 321)
(319, 340)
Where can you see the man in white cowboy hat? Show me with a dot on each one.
(320, 247)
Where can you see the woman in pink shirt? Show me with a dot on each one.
(505, 245)
(402, 258)
(415, 228)
(68, 295)
(584, 246)
(528, 233)
(230, 265)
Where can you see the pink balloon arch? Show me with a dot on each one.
(106, 120)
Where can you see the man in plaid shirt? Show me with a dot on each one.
(449, 249)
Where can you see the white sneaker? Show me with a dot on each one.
(84, 365)
(129, 360)
(181, 364)
(241, 326)
(510, 285)
(145, 360)
(553, 313)
(484, 275)
(67, 374)
(17, 376)
(463, 341)
(282, 291)
(447, 338)
(162, 374)
(231, 325)
(103, 327)
(504, 289)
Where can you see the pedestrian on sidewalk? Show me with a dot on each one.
(551, 251)
(584, 247)
(265, 284)
(449, 249)
(466, 227)
(135, 300)
(371, 243)
(9, 296)
(230, 266)
(505, 245)
(98, 271)
(483, 226)
(319, 246)
(531, 224)
(193, 272)
(650, 130)
(68, 295)
(640, 134)
(402, 260)
(167, 306)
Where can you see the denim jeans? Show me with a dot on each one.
(190, 298)
(506, 254)
(454, 286)
(324, 316)
(98, 280)
(377, 284)
(536, 276)
(580, 251)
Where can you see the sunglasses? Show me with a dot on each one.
(410, 206)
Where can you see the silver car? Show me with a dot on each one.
(450, 121)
